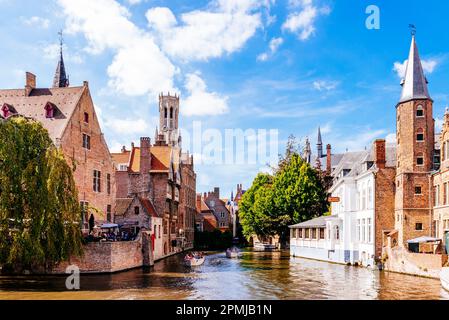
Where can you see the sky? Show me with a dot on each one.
(285, 65)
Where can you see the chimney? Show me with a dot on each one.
(145, 155)
(380, 153)
(217, 192)
(198, 202)
(328, 159)
(30, 83)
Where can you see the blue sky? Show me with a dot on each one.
(291, 65)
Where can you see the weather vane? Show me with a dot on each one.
(412, 29)
(61, 38)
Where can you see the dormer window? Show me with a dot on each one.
(49, 110)
(7, 110)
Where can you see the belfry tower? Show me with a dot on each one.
(415, 151)
(168, 119)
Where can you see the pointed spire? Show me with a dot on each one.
(60, 80)
(319, 144)
(414, 85)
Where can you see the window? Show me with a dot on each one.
(307, 233)
(420, 135)
(84, 206)
(370, 197)
(321, 233)
(49, 111)
(363, 230)
(171, 113)
(313, 233)
(97, 181)
(108, 213)
(420, 159)
(136, 210)
(300, 233)
(123, 167)
(420, 111)
(222, 214)
(108, 183)
(358, 230)
(159, 231)
(418, 226)
(437, 195)
(337, 233)
(369, 229)
(418, 190)
(86, 117)
(86, 141)
(165, 112)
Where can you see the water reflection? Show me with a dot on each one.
(257, 275)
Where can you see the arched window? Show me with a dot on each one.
(171, 113)
(165, 112)
(49, 110)
(5, 111)
(419, 111)
(420, 159)
(420, 134)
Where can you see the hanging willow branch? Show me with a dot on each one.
(39, 209)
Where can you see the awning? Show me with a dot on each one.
(423, 239)
(109, 225)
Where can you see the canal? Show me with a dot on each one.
(257, 275)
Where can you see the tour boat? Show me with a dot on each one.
(194, 260)
(233, 253)
(444, 278)
(259, 246)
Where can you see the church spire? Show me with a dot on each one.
(319, 144)
(414, 85)
(60, 80)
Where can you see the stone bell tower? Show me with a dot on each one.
(168, 119)
(415, 152)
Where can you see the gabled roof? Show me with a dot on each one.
(414, 85)
(148, 205)
(122, 205)
(160, 158)
(122, 157)
(33, 106)
(319, 222)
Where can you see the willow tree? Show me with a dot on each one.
(39, 210)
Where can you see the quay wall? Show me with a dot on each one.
(399, 260)
(107, 257)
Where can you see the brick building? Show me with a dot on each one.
(163, 175)
(205, 219)
(219, 209)
(68, 114)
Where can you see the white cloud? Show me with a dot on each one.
(51, 52)
(322, 85)
(391, 138)
(427, 65)
(133, 2)
(127, 126)
(139, 67)
(274, 45)
(222, 29)
(200, 102)
(302, 20)
(36, 22)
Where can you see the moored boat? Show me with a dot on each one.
(444, 278)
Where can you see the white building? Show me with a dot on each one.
(349, 235)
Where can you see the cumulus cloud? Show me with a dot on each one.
(200, 102)
(302, 19)
(274, 45)
(36, 22)
(139, 66)
(427, 65)
(223, 28)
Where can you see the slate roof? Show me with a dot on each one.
(122, 205)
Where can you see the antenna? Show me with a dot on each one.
(412, 28)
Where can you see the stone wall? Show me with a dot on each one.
(106, 257)
(398, 259)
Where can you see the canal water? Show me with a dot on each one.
(257, 275)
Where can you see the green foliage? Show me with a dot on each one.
(39, 210)
(295, 193)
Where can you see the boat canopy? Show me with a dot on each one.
(109, 225)
(423, 239)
